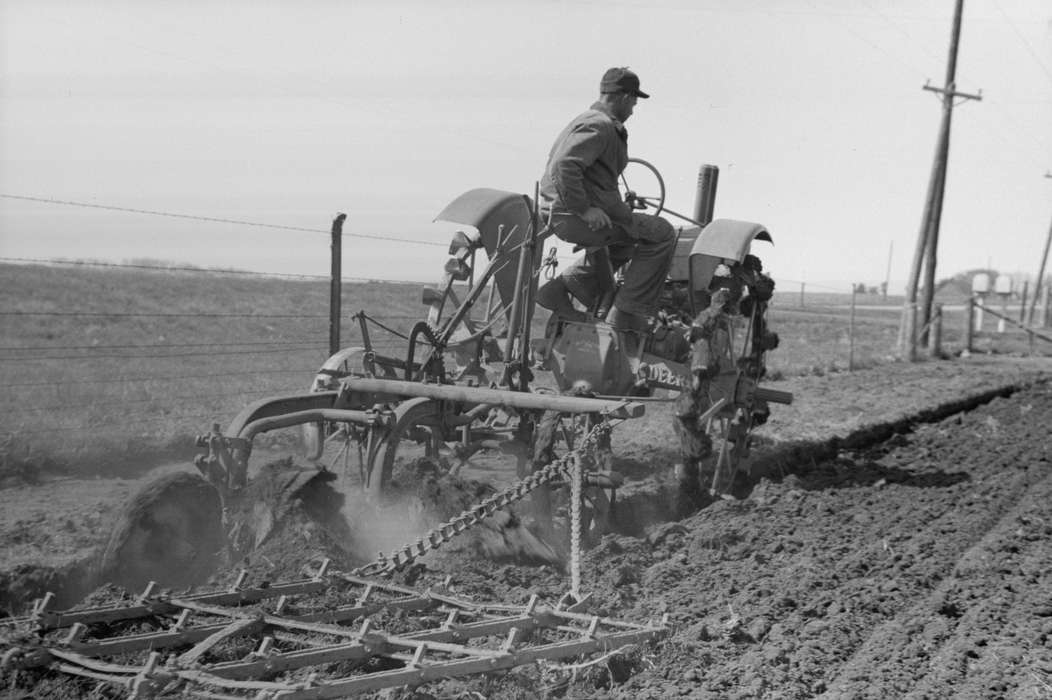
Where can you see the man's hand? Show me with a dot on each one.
(596, 218)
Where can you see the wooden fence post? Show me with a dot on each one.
(909, 332)
(851, 334)
(969, 312)
(1022, 303)
(801, 295)
(935, 332)
(335, 290)
(1045, 307)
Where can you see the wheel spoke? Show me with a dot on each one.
(648, 174)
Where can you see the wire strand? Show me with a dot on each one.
(286, 345)
(122, 314)
(160, 268)
(212, 219)
(124, 402)
(154, 345)
(1023, 39)
(153, 356)
(115, 424)
(157, 378)
(125, 314)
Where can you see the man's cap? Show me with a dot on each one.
(621, 80)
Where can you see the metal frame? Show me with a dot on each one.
(295, 633)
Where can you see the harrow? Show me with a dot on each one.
(329, 635)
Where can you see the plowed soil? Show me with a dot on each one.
(916, 566)
(894, 540)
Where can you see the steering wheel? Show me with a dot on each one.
(641, 171)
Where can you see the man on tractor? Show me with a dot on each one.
(581, 201)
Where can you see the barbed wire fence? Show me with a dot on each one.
(139, 395)
(135, 388)
(110, 384)
(866, 323)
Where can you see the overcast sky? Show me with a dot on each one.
(286, 113)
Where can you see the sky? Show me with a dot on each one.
(287, 113)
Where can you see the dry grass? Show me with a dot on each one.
(98, 391)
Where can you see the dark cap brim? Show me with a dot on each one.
(640, 93)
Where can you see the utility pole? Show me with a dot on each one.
(1040, 273)
(926, 250)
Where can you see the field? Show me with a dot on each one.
(108, 370)
(893, 538)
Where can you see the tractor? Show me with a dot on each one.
(466, 388)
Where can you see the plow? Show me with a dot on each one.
(463, 395)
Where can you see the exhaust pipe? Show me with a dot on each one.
(705, 198)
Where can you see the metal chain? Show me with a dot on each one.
(576, 477)
(385, 565)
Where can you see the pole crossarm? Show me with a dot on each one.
(951, 93)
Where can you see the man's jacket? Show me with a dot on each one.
(584, 165)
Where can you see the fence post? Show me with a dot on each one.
(935, 332)
(969, 312)
(1044, 307)
(851, 333)
(801, 295)
(336, 253)
(909, 333)
(1022, 303)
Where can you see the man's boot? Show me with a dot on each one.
(554, 296)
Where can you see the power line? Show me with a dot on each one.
(895, 25)
(849, 29)
(1037, 59)
(212, 219)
